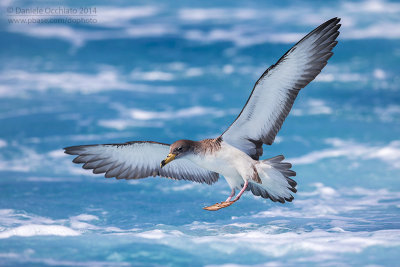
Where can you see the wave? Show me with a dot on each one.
(37, 230)
(146, 118)
(18, 83)
(3, 143)
(351, 150)
(19, 223)
(370, 19)
(21, 83)
(27, 257)
(312, 107)
(323, 223)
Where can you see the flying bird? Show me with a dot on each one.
(234, 154)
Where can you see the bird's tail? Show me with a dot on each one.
(275, 182)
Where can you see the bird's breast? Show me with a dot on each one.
(227, 161)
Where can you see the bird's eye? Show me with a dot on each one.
(180, 148)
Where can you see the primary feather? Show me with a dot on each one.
(275, 91)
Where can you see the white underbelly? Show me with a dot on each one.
(230, 162)
(216, 164)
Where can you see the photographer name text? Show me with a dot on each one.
(52, 11)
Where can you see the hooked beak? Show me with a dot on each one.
(169, 158)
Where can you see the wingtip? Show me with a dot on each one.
(67, 150)
(332, 21)
(337, 23)
(337, 19)
(76, 150)
(71, 150)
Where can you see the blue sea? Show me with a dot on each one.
(163, 71)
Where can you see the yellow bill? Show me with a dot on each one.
(168, 159)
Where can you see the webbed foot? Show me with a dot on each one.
(218, 206)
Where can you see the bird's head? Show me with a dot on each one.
(177, 150)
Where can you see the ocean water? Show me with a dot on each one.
(151, 70)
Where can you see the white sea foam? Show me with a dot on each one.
(19, 82)
(341, 77)
(91, 137)
(148, 30)
(121, 16)
(36, 229)
(383, 30)
(379, 74)
(62, 32)
(373, 6)
(122, 124)
(17, 223)
(80, 222)
(389, 113)
(184, 187)
(10, 218)
(146, 118)
(85, 217)
(276, 244)
(153, 234)
(6, 3)
(362, 20)
(122, 22)
(194, 72)
(378, 79)
(23, 111)
(312, 107)
(152, 76)
(58, 153)
(326, 202)
(240, 37)
(27, 259)
(50, 179)
(194, 111)
(277, 239)
(26, 159)
(352, 150)
(264, 264)
(79, 37)
(203, 14)
(3, 143)
(282, 244)
(293, 230)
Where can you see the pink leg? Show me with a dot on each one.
(231, 196)
(228, 202)
(241, 191)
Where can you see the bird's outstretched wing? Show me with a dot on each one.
(275, 91)
(135, 160)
